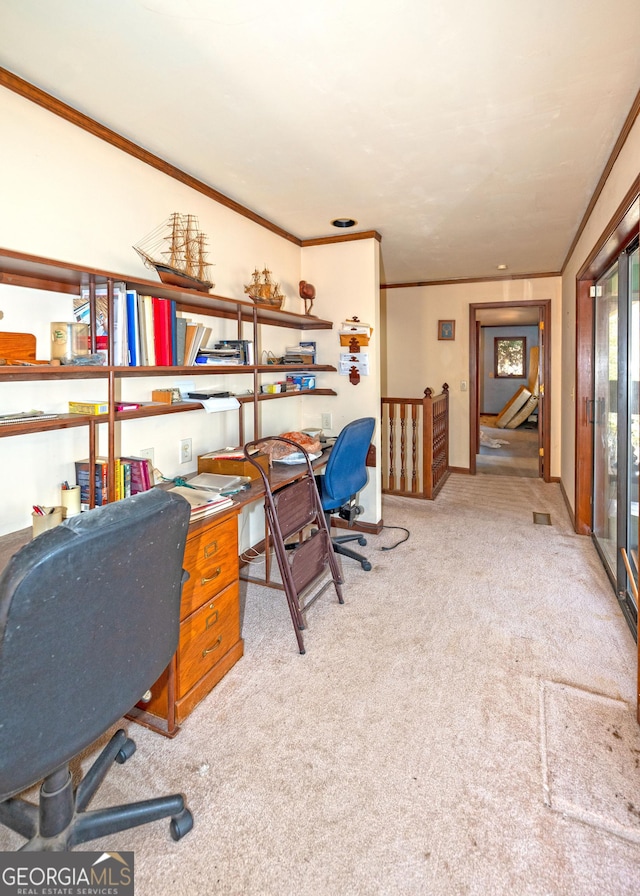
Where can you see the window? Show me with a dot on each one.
(510, 355)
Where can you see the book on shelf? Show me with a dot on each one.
(120, 336)
(133, 329)
(162, 331)
(173, 331)
(138, 476)
(202, 502)
(132, 475)
(146, 331)
(181, 334)
(93, 408)
(195, 337)
(101, 479)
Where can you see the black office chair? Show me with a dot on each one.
(345, 475)
(89, 616)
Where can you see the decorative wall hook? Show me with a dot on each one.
(354, 376)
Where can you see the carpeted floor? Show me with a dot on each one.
(507, 452)
(464, 724)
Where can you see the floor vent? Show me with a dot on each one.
(543, 519)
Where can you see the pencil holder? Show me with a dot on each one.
(51, 518)
(70, 501)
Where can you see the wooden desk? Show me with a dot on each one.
(210, 640)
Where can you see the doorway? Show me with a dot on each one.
(518, 446)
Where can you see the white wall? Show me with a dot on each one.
(347, 280)
(417, 359)
(69, 196)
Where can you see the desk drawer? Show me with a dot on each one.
(211, 559)
(207, 636)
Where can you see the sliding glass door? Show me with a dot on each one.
(616, 420)
(605, 417)
(633, 428)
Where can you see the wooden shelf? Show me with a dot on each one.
(62, 421)
(268, 396)
(19, 269)
(36, 272)
(51, 372)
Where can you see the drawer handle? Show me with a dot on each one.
(211, 620)
(204, 581)
(211, 649)
(211, 549)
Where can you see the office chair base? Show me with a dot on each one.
(339, 548)
(61, 821)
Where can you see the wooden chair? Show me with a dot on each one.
(308, 565)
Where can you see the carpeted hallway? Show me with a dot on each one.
(464, 724)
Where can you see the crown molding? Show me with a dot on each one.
(469, 280)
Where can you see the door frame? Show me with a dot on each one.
(544, 416)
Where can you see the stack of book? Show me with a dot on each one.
(132, 476)
(147, 331)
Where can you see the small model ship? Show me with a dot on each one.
(177, 251)
(263, 290)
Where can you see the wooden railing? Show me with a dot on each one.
(415, 444)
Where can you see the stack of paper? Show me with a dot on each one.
(202, 502)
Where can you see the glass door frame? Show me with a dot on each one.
(617, 571)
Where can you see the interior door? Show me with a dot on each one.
(542, 460)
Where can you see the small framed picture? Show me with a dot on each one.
(446, 329)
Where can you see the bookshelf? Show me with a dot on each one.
(36, 272)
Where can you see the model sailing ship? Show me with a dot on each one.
(177, 251)
(263, 290)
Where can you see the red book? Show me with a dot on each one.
(162, 331)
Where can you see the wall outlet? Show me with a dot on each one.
(185, 451)
(147, 452)
(325, 422)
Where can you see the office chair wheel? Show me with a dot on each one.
(366, 565)
(362, 541)
(126, 751)
(181, 824)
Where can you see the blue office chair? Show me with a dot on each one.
(345, 475)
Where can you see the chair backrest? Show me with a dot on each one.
(89, 617)
(346, 470)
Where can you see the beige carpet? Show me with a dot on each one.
(515, 455)
(446, 732)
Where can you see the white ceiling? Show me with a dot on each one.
(468, 134)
